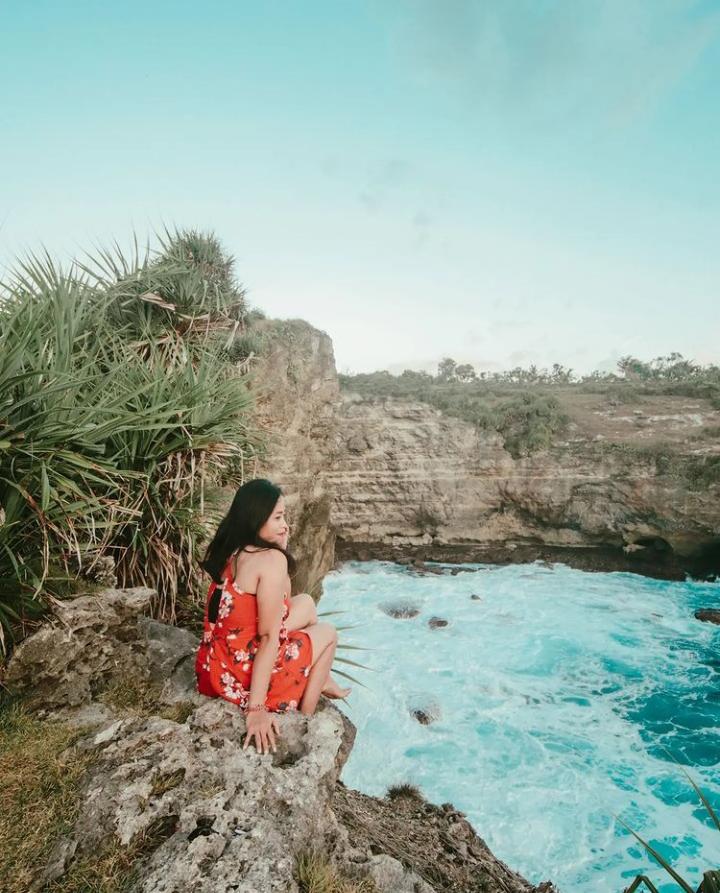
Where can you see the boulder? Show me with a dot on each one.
(400, 610)
(437, 622)
(176, 791)
(711, 615)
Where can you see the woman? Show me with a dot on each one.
(261, 649)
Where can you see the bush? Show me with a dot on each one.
(116, 415)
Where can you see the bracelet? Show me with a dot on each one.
(255, 707)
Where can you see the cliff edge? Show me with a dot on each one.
(164, 795)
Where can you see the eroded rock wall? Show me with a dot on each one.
(389, 478)
(296, 390)
(407, 480)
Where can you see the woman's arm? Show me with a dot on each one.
(262, 725)
(273, 576)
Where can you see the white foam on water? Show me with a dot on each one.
(553, 690)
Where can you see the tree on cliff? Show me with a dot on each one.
(465, 373)
(447, 370)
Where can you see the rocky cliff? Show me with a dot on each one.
(164, 799)
(628, 487)
(624, 489)
(296, 386)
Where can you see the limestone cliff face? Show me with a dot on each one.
(395, 479)
(296, 385)
(407, 480)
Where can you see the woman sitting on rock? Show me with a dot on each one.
(261, 649)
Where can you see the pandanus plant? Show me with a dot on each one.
(118, 410)
(711, 878)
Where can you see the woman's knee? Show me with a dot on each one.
(303, 612)
(328, 629)
(324, 633)
(311, 606)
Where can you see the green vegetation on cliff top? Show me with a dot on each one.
(528, 407)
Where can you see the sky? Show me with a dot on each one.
(504, 182)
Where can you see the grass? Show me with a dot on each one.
(40, 791)
(112, 867)
(41, 798)
(406, 790)
(166, 781)
(314, 874)
(525, 406)
(695, 472)
(135, 694)
(528, 419)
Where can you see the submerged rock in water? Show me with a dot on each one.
(437, 622)
(426, 713)
(400, 610)
(711, 615)
(176, 792)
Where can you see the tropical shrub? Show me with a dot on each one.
(118, 410)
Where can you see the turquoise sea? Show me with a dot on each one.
(553, 691)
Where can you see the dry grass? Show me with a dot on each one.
(315, 875)
(166, 781)
(111, 867)
(136, 695)
(40, 792)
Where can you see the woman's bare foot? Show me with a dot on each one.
(333, 690)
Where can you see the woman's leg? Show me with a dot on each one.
(324, 642)
(303, 615)
(302, 611)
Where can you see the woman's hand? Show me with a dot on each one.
(262, 725)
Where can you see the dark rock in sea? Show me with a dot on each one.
(427, 714)
(418, 566)
(400, 610)
(436, 622)
(711, 615)
(475, 597)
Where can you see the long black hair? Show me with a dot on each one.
(252, 506)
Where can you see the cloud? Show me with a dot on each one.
(556, 62)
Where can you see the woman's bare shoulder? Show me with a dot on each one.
(272, 560)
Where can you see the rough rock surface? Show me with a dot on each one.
(296, 387)
(439, 840)
(388, 478)
(202, 813)
(710, 615)
(407, 480)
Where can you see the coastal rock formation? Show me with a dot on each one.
(709, 615)
(625, 489)
(405, 479)
(297, 393)
(169, 785)
(437, 622)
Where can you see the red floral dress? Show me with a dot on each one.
(225, 657)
